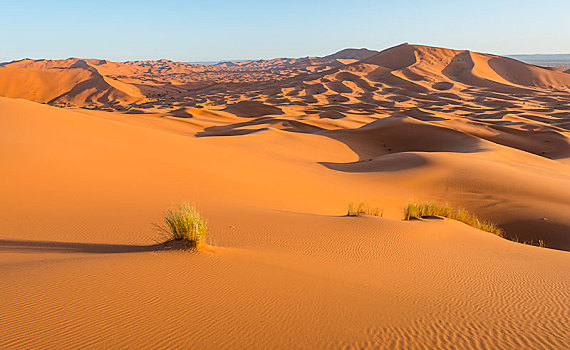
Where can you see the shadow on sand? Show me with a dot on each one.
(86, 248)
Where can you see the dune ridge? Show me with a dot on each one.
(78, 84)
(272, 152)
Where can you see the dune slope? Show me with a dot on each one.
(284, 267)
(62, 82)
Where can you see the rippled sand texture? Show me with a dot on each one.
(272, 152)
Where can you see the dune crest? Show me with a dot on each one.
(272, 152)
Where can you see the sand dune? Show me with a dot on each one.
(272, 152)
(75, 85)
(361, 79)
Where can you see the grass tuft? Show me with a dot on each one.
(421, 210)
(363, 209)
(184, 222)
(539, 243)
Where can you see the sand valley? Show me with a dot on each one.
(92, 152)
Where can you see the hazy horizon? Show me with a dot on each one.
(519, 56)
(207, 31)
(349, 192)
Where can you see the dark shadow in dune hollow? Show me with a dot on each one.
(387, 163)
(236, 128)
(556, 235)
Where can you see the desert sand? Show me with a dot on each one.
(271, 152)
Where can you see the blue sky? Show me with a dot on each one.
(216, 29)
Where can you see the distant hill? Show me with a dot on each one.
(403, 70)
(547, 60)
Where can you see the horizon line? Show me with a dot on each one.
(217, 61)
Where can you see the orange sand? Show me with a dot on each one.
(273, 172)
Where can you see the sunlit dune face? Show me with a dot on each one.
(411, 198)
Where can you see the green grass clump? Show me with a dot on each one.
(420, 210)
(363, 209)
(184, 222)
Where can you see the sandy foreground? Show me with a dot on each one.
(284, 267)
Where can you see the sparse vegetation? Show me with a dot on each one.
(363, 209)
(539, 243)
(421, 210)
(184, 223)
(418, 210)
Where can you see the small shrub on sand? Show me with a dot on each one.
(420, 210)
(539, 243)
(184, 223)
(363, 209)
